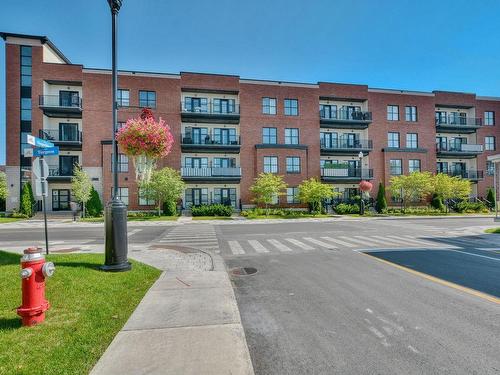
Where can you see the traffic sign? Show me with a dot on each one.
(37, 169)
(41, 188)
(38, 142)
(28, 152)
(45, 151)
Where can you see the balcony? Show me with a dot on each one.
(342, 119)
(211, 174)
(59, 173)
(453, 150)
(61, 106)
(65, 139)
(469, 174)
(225, 113)
(346, 174)
(229, 144)
(457, 124)
(346, 147)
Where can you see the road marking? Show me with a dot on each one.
(132, 232)
(320, 243)
(407, 239)
(389, 240)
(476, 255)
(376, 332)
(360, 240)
(236, 248)
(299, 244)
(257, 246)
(338, 242)
(464, 289)
(279, 245)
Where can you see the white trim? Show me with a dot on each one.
(400, 92)
(279, 83)
(131, 73)
(23, 41)
(495, 98)
(494, 158)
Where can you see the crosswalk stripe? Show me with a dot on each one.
(418, 241)
(339, 242)
(257, 246)
(364, 241)
(299, 244)
(279, 245)
(320, 243)
(236, 248)
(385, 239)
(188, 240)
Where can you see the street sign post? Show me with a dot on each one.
(45, 151)
(38, 142)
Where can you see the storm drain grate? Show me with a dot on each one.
(243, 271)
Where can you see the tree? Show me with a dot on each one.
(165, 186)
(94, 204)
(381, 203)
(437, 202)
(4, 190)
(449, 187)
(413, 187)
(27, 200)
(490, 198)
(81, 186)
(314, 192)
(266, 188)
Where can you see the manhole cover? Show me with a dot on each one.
(243, 271)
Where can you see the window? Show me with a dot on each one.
(26, 66)
(328, 111)
(412, 140)
(411, 113)
(393, 113)
(329, 140)
(145, 201)
(269, 136)
(122, 163)
(224, 106)
(123, 98)
(291, 107)
(198, 105)
(291, 136)
(489, 118)
(393, 140)
(122, 194)
(147, 99)
(293, 164)
(396, 167)
(292, 195)
(270, 164)
(413, 165)
(490, 168)
(269, 106)
(25, 109)
(489, 143)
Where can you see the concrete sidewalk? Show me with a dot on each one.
(187, 323)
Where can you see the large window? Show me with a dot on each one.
(393, 140)
(412, 140)
(395, 167)
(413, 165)
(291, 136)
(144, 200)
(269, 106)
(122, 194)
(393, 113)
(122, 163)
(489, 143)
(123, 98)
(291, 107)
(270, 164)
(489, 118)
(26, 66)
(293, 164)
(147, 99)
(490, 168)
(269, 136)
(411, 113)
(292, 195)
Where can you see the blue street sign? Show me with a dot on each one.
(38, 142)
(45, 151)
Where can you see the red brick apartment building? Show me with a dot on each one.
(229, 129)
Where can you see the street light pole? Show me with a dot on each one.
(116, 243)
(361, 201)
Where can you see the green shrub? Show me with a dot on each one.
(344, 208)
(381, 203)
(142, 214)
(212, 210)
(490, 199)
(170, 208)
(27, 200)
(287, 213)
(471, 207)
(94, 204)
(18, 215)
(413, 211)
(437, 202)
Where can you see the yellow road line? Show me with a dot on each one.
(440, 281)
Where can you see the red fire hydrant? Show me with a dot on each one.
(34, 270)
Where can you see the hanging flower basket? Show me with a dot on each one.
(365, 186)
(145, 140)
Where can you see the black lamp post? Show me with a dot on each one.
(115, 224)
(361, 200)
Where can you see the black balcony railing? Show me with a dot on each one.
(60, 171)
(211, 172)
(458, 121)
(58, 136)
(211, 108)
(458, 147)
(346, 144)
(347, 172)
(60, 101)
(343, 115)
(470, 174)
(210, 139)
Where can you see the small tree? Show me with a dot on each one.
(27, 200)
(165, 186)
(314, 192)
(448, 187)
(4, 190)
(437, 202)
(81, 186)
(94, 204)
(490, 199)
(412, 187)
(381, 203)
(266, 188)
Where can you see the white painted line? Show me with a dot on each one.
(320, 243)
(236, 248)
(299, 244)
(476, 255)
(413, 240)
(376, 332)
(390, 240)
(365, 241)
(338, 242)
(257, 246)
(279, 245)
(133, 231)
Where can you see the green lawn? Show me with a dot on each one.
(493, 230)
(89, 307)
(212, 218)
(9, 219)
(304, 216)
(132, 218)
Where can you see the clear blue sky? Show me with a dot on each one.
(419, 45)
